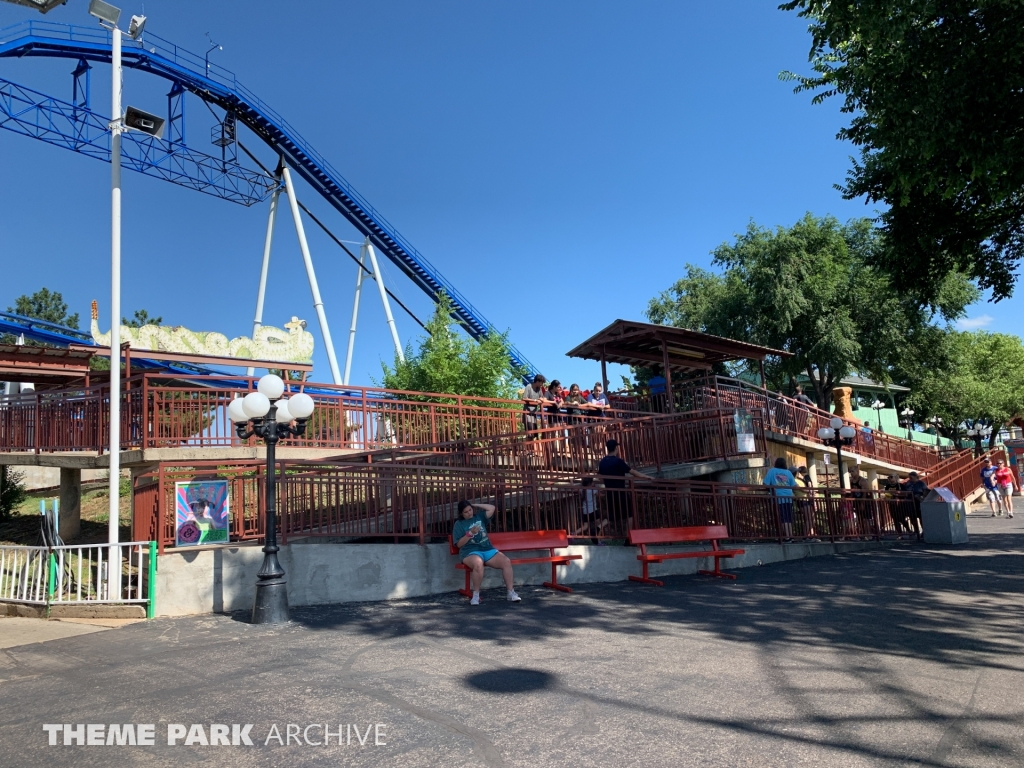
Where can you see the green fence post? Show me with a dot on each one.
(151, 605)
(51, 579)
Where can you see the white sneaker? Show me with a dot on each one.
(512, 597)
(475, 600)
(1010, 515)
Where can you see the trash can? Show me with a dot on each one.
(943, 517)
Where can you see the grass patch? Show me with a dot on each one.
(23, 526)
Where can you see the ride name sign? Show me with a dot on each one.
(201, 512)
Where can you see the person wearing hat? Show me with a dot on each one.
(613, 471)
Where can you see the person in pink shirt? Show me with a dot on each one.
(1007, 484)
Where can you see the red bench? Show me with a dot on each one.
(525, 541)
(642, 537)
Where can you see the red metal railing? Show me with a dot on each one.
(961, 473)
(578, 445)
(784, 415)
(418, 503)
(192, 412)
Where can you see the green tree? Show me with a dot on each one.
(12, 491)
(141, 318)
(810, 290)
(42, 305)
(936, 93)
(449, 362)
(972, 378)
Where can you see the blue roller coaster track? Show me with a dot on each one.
(75, 126)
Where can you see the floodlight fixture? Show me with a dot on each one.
(104, 12)
(144, 121)
(135, 27)
(43, 6)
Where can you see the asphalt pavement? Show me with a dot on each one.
(901, 657)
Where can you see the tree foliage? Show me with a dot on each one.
(43, 305)
(810, 290)
(972, 378)
(141, 318)
(12, 491)
(449, 362)
(936, 91)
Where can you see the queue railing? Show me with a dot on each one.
(577, 444)
(191, 411)
(784, 415)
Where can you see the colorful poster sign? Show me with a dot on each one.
(744, 423)
(201, 512)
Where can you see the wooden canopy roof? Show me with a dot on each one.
(42, 365)
(644, 344)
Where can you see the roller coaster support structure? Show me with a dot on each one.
(318, 303)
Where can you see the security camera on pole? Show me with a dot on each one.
(271, 418)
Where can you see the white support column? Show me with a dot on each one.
(355, 317)
(379, 278)
(261, 294)
(115, 300)
(318, 303)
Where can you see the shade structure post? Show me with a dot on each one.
(668, 378)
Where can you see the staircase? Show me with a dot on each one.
(962, 473)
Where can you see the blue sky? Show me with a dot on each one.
(558, 163)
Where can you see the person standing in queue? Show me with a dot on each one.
(613, 471)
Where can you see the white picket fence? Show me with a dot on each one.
(79, 574)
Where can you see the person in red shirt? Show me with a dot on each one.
(1007, 484)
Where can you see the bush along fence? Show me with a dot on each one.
(80, 575)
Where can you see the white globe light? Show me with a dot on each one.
(847, 432)
(826, 433)
(256, 405)
(835, 422)
(283, 415)
(236, 412)
(301, 406)
(271, 386)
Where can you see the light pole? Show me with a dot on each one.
(878, 405)
(978, 434)
(838, 434)
(907, 420)
(271, 418)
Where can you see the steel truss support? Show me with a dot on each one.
(176, 114)
(268, 240)
(318, 303)
(366, 250)
(355, 320)
(379, 279)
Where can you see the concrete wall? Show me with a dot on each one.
(221, 579)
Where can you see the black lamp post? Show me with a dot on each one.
(271, 419)
(908, 420)
(878, 406)
(836, 434)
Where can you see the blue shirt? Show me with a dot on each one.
(988, 477)
(781, 480)
(657, 385)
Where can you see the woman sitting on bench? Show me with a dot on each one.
(476, 550)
